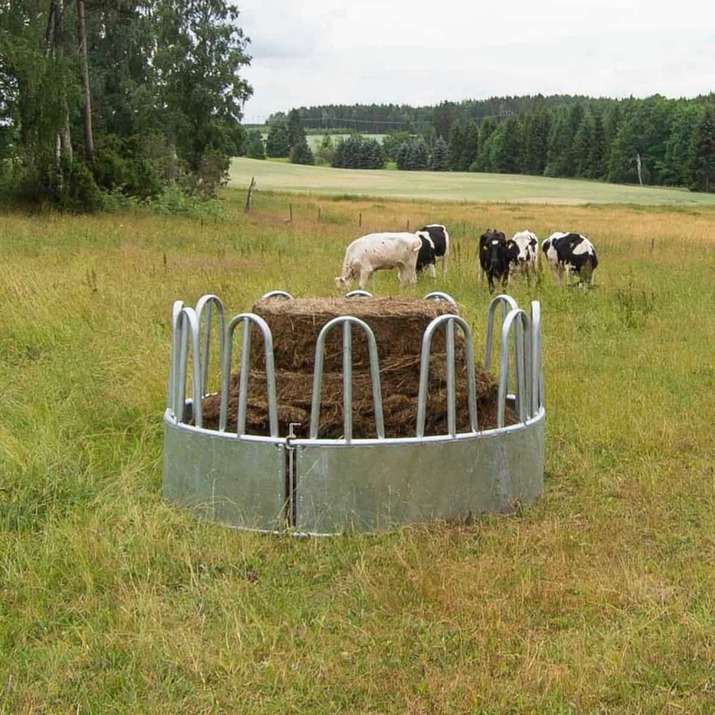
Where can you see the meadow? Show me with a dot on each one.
(451, 186)
(599, 598)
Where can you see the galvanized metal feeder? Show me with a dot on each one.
(318, 486)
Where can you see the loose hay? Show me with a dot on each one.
(398, 325)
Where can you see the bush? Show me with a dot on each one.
(79, 190)
(255, 148)
(211, 173)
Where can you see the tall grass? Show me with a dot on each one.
(598, 599)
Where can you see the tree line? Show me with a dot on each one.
(128, 97)
(654, 141)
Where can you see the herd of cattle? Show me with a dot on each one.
(500, 258)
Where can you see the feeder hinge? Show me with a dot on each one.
(292, 514)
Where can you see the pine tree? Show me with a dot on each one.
(277, 144)
(300, 152)
(701, 170)
(401, 155)
(559, 149)
(438, 157)
(471, 144)
(507, 148)
(583, 146)
(486, 129)
(295, 127)
(456, 146)
(680, 148)
(419, 155)
(597, 169)
(536, 142)
(255, 148)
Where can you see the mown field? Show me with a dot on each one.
(600, 598)
(452, 186)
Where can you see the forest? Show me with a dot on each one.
(121, 99)
(652, 141)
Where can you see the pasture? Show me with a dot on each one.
(452, 186)
(598, 599)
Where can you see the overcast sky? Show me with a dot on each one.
(311, 52)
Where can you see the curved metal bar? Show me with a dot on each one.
(439, 295)
(206, 302)
(187, 326)
(504, 300)
(537, 372)
(247, 319)
(174, 354)
(522, 366)
(450, 320)
(347, 321)
(277, 294)
(358, 294)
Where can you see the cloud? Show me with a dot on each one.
(325, 52)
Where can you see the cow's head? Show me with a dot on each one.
(426, 254)
(492, 251)
(342, 282)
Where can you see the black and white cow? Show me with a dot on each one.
(527, 258)
(495, 257)
(436, 235)
(569, 253)
(426, 257)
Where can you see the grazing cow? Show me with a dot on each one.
(527, 258)
(570, 252)
(378, 251)
(495, 257)
(437, 235)
(426, 256)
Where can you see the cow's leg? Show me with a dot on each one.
(556, 270)
(568, 270)
(365, 275)
(444, 265)
(432, 270)
(407, 275)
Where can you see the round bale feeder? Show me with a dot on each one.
(355, 413)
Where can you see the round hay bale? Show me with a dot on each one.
(397, 323)
(399, 384)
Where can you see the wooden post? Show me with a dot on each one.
(290, 213)
(318, 214)
(249, 195)
(360, 219)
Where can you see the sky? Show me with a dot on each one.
(313, 52)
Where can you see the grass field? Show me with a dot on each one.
(598, 599)
(452, 186)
